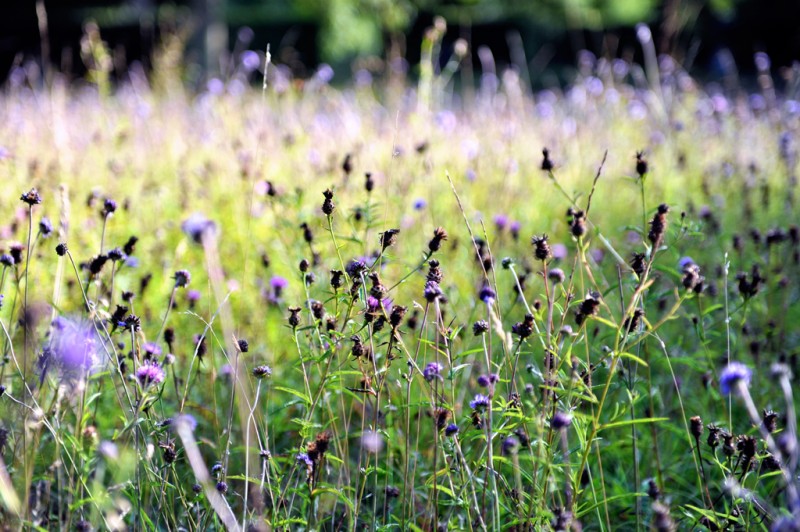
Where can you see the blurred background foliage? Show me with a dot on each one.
(306, 33)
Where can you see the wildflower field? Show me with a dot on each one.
(399, 306)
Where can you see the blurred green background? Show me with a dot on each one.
(707, 36)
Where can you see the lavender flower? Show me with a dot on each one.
(732, 375)
(149, 373)
(433, 371)
(480, 402)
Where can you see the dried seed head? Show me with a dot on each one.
(328, 206)
(547, 164)
(31, 197)
(389, 238)
(541, 248)
(439, 235)
(641, 164)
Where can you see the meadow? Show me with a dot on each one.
(399, 306)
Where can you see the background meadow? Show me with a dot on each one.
(384, 307)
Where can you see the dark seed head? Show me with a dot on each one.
(61, 249)
(31, 197)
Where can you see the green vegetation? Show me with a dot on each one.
(341, 309)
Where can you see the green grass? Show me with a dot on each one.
(94, 449)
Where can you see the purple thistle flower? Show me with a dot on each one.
(182, 278)
(373, 305)
(510, 445)
(302, 458)
(560, 421)
(278, 284)
(451, 430)
(75, 345)
(355, 268)
(487, 295)
(198, 226)
(481, 402)
(732, 375)
(420, 204)
(250, 60)
(483, 381)
(500, 221)
(433, 371)
(149, 373)
(684, 262)
(432, 291)
(151, 349)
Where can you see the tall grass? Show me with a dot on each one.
(344, 310)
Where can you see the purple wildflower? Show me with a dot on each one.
(182, 278)
(432, 291)
(198, 226)
(501, 221)
(560, 421)
(420, 204)
(151, 349)
(355, 268)
(481, 402)
(302, 458)
(451, 430)
(483, 381)
(75, 345)
(487, 295)
(510, 445)
(149, 373)
(732, 375)
(433, 371)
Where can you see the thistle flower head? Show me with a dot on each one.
(480, 402)
(734, 373)
(433, 371)
(149, 373)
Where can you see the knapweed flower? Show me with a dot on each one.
(31, 197)
(510, 445)
(419, 204)
(45, 227)
(433, 371)
(261, 372)
(480, 327)
(480, 402)
(149, 373)
(560, 421)
(483, 381)
(487, 295)
(197, 227)
(151, 350)
(432, 291)
(734, 373)
(182, 278)
(302, 458)
(74, 347)
(451, 430)
(500, 221)
(193, 296)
